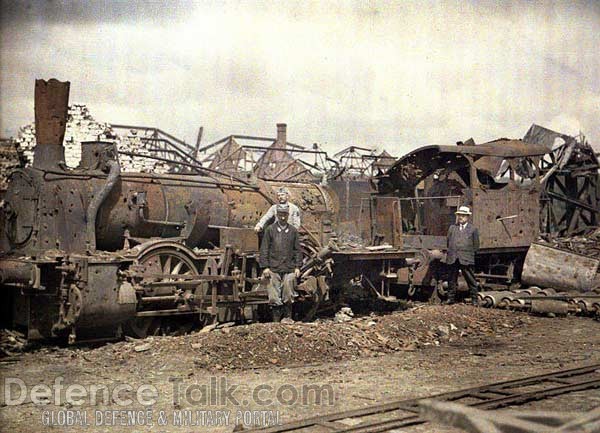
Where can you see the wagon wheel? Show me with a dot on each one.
(161, 261)
(141, 327)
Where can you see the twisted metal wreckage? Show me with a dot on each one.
(91, 252)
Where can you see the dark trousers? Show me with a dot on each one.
(467, 271)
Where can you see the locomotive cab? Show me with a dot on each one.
(499, 181)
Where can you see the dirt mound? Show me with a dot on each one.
(276, 344)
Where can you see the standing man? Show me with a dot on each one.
(462, 243)
(281, 259)
(283, 195)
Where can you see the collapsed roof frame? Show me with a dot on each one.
(280, 160)
(362, 163)
(163, 145)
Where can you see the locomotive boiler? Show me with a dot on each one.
(92, 251)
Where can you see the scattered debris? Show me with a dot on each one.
(262, 345)
(344, 315)
(143, 347)
(11, 342)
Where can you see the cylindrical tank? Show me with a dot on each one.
(49, 209)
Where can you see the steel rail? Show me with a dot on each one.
(506, 393)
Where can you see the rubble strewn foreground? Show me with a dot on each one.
(263, 345)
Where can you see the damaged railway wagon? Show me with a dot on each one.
(500, 180)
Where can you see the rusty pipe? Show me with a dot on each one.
(542, 306)
(12, 271)
(585, 305)
(533, 290)
(94, 206)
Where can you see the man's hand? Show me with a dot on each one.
(257, 228)
(297, 272)
(266, 273)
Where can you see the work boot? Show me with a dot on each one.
(276, 311)
(287, 311)
(451, 298)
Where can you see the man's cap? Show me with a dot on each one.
(283, 208)
(463, 210)
(283, 190)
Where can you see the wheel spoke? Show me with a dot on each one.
(177, 268)
(167, 267)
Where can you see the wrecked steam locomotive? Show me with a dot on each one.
(92, 252)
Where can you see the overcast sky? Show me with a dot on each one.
(394, 75)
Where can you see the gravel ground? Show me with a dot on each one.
(273, 372)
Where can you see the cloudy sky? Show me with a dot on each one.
(392, 75)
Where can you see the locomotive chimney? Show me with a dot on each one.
(51, 105)
(281, 135)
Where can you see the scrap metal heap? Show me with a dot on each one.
(570, 179)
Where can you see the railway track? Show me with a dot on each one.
(404, 413)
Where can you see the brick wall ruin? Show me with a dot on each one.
(81, 126)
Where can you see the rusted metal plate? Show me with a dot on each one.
(506, 217)
(425, 242)
(362, 254)
(550, 267)
(387, 227)
(240, 239)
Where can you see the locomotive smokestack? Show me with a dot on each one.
(281, 135)
(51, 106)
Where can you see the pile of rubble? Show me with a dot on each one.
(81, 126)
(586, 244)
(261, 345)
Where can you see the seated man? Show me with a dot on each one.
(281, 259)
(283, 195)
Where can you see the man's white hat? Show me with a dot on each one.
(463, 210)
